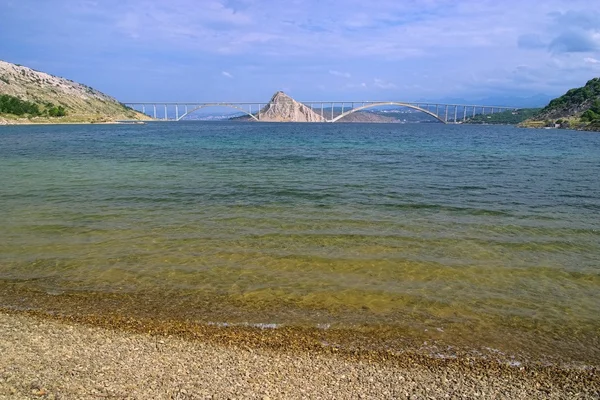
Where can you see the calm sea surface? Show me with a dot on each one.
(483, 236)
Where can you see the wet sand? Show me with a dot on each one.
(42, 357)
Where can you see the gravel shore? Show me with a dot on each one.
(41, 358)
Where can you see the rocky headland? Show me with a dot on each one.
(578, 108)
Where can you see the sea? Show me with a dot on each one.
(476, 237)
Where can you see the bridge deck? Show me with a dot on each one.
(444, 112)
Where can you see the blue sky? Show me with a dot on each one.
(245, 50)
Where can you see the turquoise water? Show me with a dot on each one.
(490, 234)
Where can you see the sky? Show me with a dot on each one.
(351, 50)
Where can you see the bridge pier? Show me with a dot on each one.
(176, 112)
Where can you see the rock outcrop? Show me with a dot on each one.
(81, 102)
(282, 108)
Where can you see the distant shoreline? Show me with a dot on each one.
(4, 122)
(59, 123)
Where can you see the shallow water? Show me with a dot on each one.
(488, 234)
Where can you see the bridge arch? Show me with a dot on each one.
(388, 103)
(218, 105)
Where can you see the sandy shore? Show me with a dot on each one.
(48, 359)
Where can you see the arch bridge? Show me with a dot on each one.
(329, 111)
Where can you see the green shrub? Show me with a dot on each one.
(57, 111)
(13, 105)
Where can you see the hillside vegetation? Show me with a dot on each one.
(28, 96)
(509, 117)
(15, 106)
(578, 108)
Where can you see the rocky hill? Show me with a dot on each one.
(32, 96)
(578, 108)
(282, 108)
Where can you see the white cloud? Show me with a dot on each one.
(429, 48)
(361, 85)
(381, 84)
(340, 74)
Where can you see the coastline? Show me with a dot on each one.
(206, 317)
(42, 357)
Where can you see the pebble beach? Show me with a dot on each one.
(45, 358)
